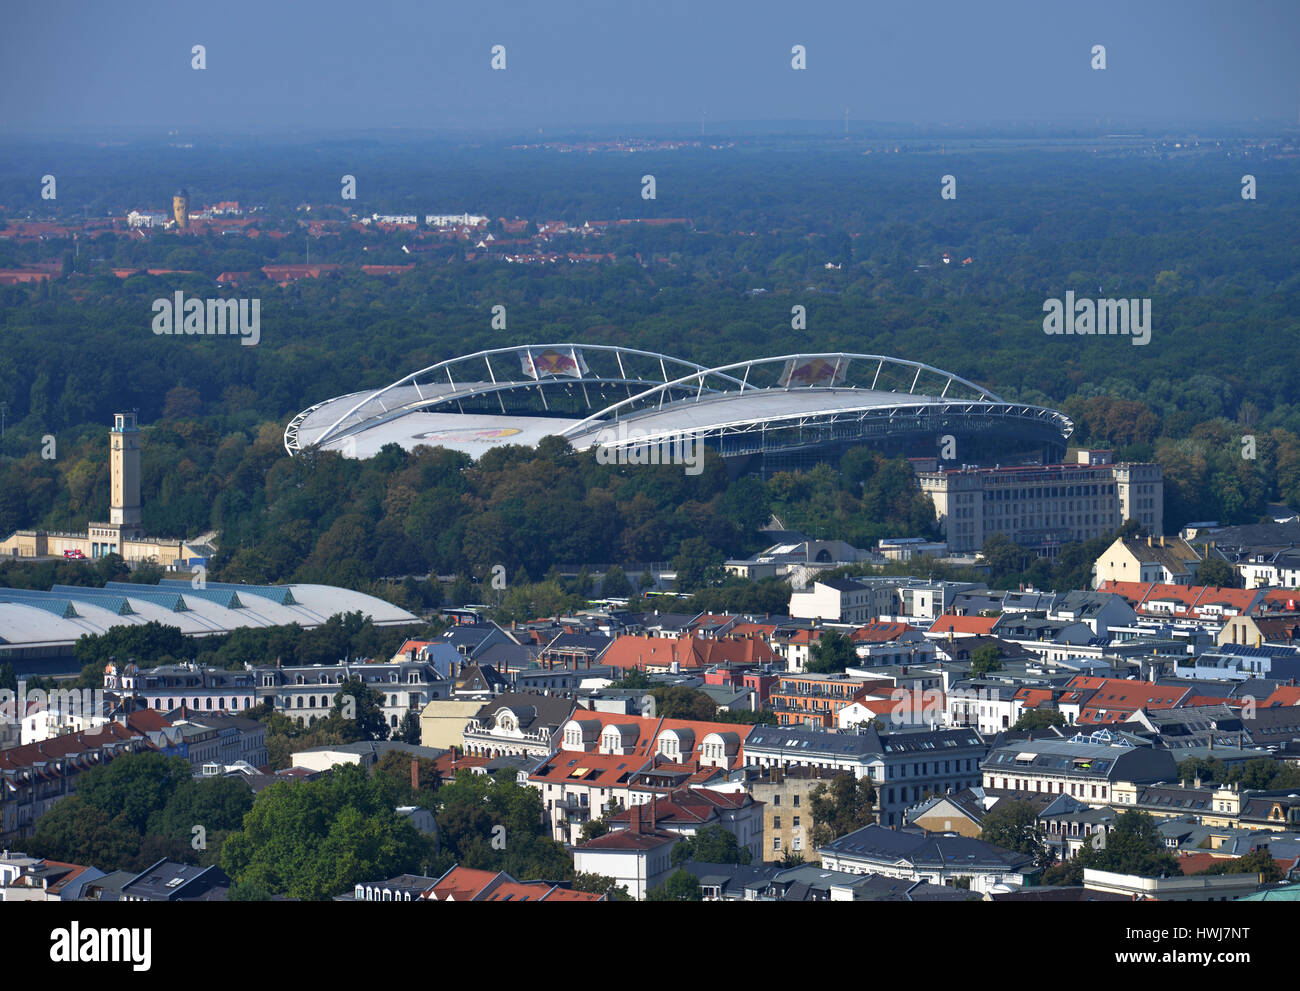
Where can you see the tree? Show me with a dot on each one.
(599, 884)
(1205, 768)
(358, 713)
(593, 828)
(792, 858)
(615, 584)
(316, 839)
(758, 717)
(711, 845)
(408, 730)
(681, 886)
(1031, 719)
(134, 786)
(492, 823)
(1004, 558)
(633, 678)
(1014, 826)
(74, 832)
(698, 564)
(1258, 861)
(833, 652)
(841, 806)
(1257, 773)
(1134, 846)
(1218, 573)
(985, 659)
(396, 767)
(681, 702)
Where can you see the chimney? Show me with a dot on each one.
(415, 774)
(634, 820)
(1148, 540)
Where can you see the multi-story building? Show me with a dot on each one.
(1086, 767)
(686, 811)
(517, 724)
(904, 767)
(815, 700)
(608, 761)
(1043, 507)
(917, 855)
(1169, 561)
(859, 600)
(306, 693)
(182, 686)
(34, 777)
(787, 808)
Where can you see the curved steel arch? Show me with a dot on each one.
(480, 388)
(700, 374)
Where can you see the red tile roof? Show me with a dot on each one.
(976, 625)
(1115, 699)
(1192, 601)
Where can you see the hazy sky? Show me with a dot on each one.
(426, 63)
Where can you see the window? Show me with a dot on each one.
(796, 801)
(776, 822)
(795, 823)
(776, 799)
(776, 843)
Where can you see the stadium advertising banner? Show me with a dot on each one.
(814, 371)
(548, 362)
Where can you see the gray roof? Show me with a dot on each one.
(925, 851)
(866, 744)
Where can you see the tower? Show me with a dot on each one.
(124, 458)
(181, 208)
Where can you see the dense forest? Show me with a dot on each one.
(1221, 272)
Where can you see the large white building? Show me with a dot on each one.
(1043, 507)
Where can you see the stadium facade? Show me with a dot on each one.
(761, 414)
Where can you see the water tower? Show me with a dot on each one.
(181, 208)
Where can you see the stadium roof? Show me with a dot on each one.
(59, 617)
(614, 397)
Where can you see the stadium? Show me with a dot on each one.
(760, 414)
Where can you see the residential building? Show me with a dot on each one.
(638, 857)
(785, 795)
(904, 767)
(1147, 559)
(1086, 767)
(917, 855)
(685, 811)
(517, 723)
(168, 881)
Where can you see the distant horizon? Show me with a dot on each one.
(1085, 128)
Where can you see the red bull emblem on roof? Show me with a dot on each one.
(548, 361)
(814, 371)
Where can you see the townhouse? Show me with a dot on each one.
(515, 723)
(34, 777)
(1088, 768)
(608, 760)
(685, 811)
